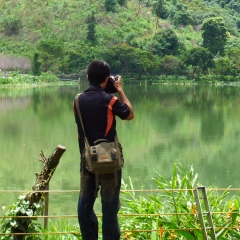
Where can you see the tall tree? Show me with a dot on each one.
(178, 14)
(224, 66)
(121, 58)
(160, 9)
(121, 2)
(110, 5)
(170, 65)
(36, 65)
(166, 43)
(214, 35)
(50, 54)
(198, 58)
(91, 27)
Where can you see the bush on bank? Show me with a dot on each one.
(21, 79)
(17, 79)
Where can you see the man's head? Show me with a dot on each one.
(98, 71)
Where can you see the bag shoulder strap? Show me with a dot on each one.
(79, 115)
(80, 118)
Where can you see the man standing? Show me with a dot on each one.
(98, 110)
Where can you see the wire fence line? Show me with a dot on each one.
(122, 231)
(137, 190)
(123, 191)
(119, 215)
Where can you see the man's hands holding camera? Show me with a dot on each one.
(117, 83)
(113, 79)
(114, 84)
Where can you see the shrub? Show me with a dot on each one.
(11, 25)
(14, 225)
(18, 79)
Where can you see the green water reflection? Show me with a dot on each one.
(193, 125)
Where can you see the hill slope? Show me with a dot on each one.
(91, 28)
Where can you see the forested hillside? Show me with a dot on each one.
(144, 37)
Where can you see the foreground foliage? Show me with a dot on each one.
(27, 225)
(170, 214)
(174, 209)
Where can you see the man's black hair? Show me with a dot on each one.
(97, 71)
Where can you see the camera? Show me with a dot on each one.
(110, 87)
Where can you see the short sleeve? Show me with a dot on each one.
(121, 110)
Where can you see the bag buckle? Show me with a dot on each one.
(93, 152)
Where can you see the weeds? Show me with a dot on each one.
(174, 208)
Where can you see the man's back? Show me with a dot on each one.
(98, 110)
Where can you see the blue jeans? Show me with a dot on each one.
(87, 218)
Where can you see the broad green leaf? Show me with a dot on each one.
(186, 234)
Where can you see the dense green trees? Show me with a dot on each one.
(170, 65)
(144, 37)
(11, 25)
(91, 26)
(160, 9)
(110, 5)
(179, 14)
(214, 35)
(50, 53)
(223, 66)
(127, 59)
(122, 2)
(229, 4)
(199, 59)
(165, 43)
(77, 58)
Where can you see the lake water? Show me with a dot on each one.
(195, 125)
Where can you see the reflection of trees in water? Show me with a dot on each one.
(210, 108)
(212, 128)
(167, 120)
(10, 130)
(35, 99)
(208, 103)
(220, 167)
(52, 102)
(201, 98)
(8, 104)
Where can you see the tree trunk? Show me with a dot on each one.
(44, 177)
(42, 180)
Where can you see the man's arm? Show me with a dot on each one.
(123, 98)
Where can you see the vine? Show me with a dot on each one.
(19, 217)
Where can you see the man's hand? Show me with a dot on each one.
(118, 83)
(123, 98)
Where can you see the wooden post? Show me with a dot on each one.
(46, 204)
(41, 183)
(44, 177)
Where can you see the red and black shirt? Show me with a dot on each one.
(98, 110)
